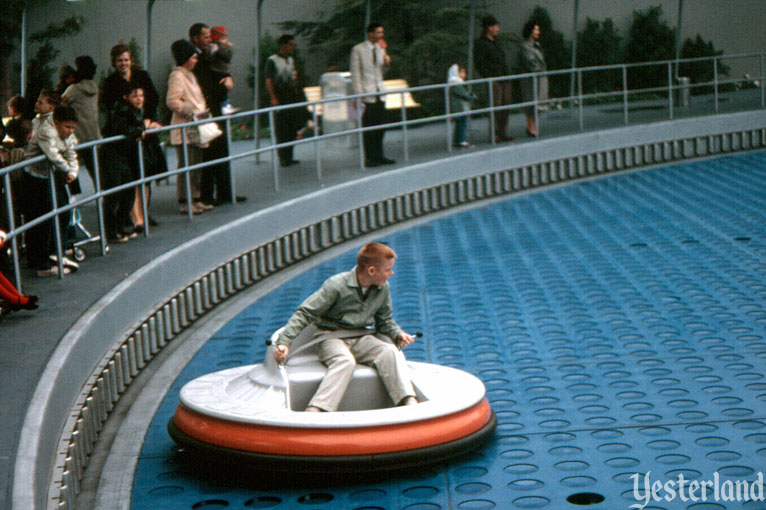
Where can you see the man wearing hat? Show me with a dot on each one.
(489, 59)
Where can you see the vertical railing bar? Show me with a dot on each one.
(763, 85)
(55, 220)
(625, 91)
(186, 176)
(579, 99)
(12, 225)
(670, 90)
(232, 180)
(274, 158)
(447, 118)
(762, 79)
(405, 140)
(99, 202)
(491, 97)
(715, 81)
(317, 155)
(360, 135)
(535, 103)
(142, 187)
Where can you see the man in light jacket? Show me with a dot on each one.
(367, 61)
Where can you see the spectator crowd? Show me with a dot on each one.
(127, 103)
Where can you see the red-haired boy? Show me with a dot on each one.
(356, 299)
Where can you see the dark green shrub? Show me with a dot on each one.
(702, 71)
(40, 71)
(598, 44)
(649, 39)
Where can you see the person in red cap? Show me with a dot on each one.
(221, 52)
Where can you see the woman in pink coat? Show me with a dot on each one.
(185, 100)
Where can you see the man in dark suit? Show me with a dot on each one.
(216, 179)
(489, 60)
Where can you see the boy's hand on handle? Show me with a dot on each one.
(404, 339)
(280, 353)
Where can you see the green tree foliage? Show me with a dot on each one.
(598, 44)
(649, 39)
(700, 72)
(424, 38)
(41, 70)
(556, 49)
(10, 30)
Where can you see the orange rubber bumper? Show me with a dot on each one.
(334, 442)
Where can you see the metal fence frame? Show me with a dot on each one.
(404, 123)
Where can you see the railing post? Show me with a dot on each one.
(186, 176)
(99, 201)
(670, 90)
(491, 96)
(360, 135)
(317, 155)
(232, 182)
(12, 226)
(404, 131)
(625, 92)
(536, 113)
(763, 85)
(274, 155)
(579, 99)
(715, 81)
(448, 112)
(56, 223)
(141, 187)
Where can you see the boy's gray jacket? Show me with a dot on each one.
(339, 304)
(60, 153)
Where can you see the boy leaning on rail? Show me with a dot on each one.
(56, 140)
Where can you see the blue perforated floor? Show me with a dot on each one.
(618, 324)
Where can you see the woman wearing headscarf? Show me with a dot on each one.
(186, 100)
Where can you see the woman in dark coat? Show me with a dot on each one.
(118, 161)
(126, 72)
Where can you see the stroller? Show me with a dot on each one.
(75, 228)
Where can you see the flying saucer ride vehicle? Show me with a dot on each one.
(254, 413)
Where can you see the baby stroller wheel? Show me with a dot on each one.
(79, 254)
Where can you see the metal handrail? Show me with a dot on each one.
(358, 130)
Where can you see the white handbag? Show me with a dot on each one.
(202, 134)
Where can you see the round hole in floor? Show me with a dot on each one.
(312, 499)
(211, 503)
(585, 498)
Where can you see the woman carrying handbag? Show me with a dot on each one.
(186, 101)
